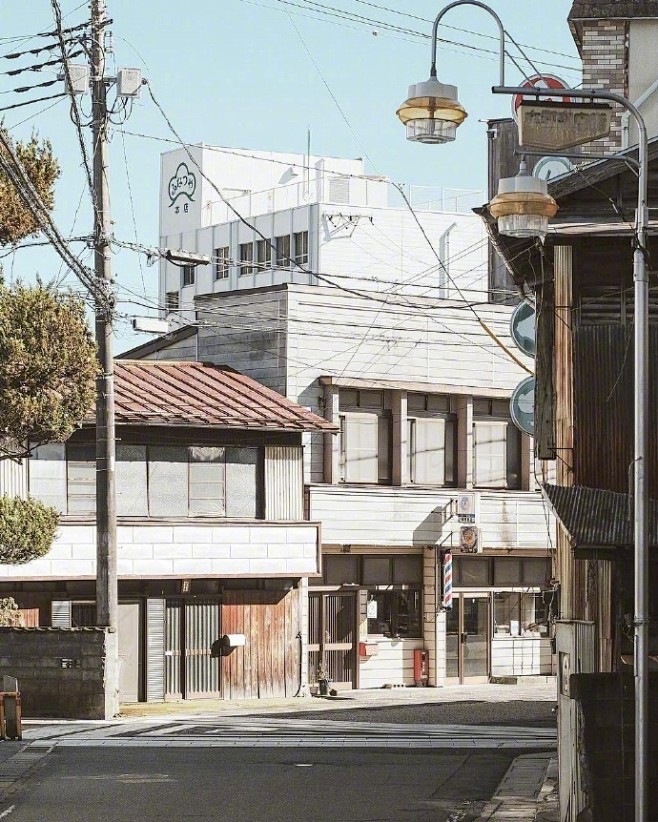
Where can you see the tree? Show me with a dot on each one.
(47, 364)
(36, 157)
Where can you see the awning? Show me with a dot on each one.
(597, 520)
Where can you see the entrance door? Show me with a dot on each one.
(332, 638)
(467, 639)
(191, 628)
(129, 651)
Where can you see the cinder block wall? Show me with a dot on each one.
(605, 66)
(62, 672)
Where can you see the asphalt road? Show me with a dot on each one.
(249, 785)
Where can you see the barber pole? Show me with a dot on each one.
(447, 580)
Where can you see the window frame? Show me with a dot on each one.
(222, 262)
(283, 256)
(263, 255)
(300, 257)
(188, 275)
(246, 263)
(172, 301)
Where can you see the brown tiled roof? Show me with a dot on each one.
(151, 392)
(613, 9)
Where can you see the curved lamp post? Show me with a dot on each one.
(432, 114)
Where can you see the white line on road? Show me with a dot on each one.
(7, 811)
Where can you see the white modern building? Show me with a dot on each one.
(326, 286)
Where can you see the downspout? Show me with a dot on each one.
(626, 116)
(444, 254)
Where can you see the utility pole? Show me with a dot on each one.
(107, 604)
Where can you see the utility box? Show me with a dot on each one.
(421, 667)
(368, 649)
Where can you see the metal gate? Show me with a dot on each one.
(192, 627)
(332, 638)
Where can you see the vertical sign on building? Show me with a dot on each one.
(447, 580)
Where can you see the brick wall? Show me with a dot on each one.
(605, 66)
(62, 672)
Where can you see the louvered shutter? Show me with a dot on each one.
(60, 613)
(155, 649)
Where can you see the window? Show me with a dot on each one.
(172, 301)
(527, 572)
(264, 254)
(366, 437)
(282, 245)
(497, 446)
(189, 272)
(394, 613)
(431, 440)
(301, 247)
(131, 483)
(222, 264)
(81, 478)
(246, 258)
(520, 614)
(340, 569)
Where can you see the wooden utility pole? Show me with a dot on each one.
(107, 604)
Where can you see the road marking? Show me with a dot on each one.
(7, 812)
(303, 764)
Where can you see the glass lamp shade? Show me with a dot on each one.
(432, 112)
(523, 206)
(523, 225)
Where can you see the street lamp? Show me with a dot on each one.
(523, 205)
(518, 212)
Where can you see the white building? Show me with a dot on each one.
(336, 299)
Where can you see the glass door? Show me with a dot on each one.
(468, 639)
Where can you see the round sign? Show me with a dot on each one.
(550, 167)
(522, 328)
(541, 81)
(522, 406)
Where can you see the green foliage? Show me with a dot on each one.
(36, 157)
(10, 616)
(27, 529)
(47, 364)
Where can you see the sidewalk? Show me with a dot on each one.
(528, 792)
(374, 698)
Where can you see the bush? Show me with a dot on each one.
(27, 529)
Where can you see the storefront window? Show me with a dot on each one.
(394, 613)
(520, 614)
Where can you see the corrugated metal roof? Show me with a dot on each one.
(151, 392)
(597, 518)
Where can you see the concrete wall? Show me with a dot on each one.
(62, 672)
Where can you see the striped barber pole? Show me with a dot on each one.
(447, 580)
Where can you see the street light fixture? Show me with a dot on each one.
(521, 212)
(432, 112)
(523, 205)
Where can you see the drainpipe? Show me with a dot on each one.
(444, 252)
(626, 116)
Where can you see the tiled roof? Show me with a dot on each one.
(613, 9)
(151, 392)
(597, 518)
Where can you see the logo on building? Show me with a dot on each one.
(182, 184)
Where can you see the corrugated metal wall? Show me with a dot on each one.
(13, 477)
(284, 483)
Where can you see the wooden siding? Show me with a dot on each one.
(284, 483)
(269, 664)
(386, 516)
(246, 331)
(392, 664)
(521, 657)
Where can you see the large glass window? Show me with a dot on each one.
(520, 614)
(301, 247)
(264, 254)
(431, 440)
(394, 613)
(365, 437)
(496, 446)
(246, 258)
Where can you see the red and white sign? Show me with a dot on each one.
(541, 81)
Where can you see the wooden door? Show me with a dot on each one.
(192, 628)
(332, 638)
(269, 663)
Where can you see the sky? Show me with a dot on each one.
(257, 74)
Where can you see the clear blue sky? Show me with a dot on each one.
(238, 73)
